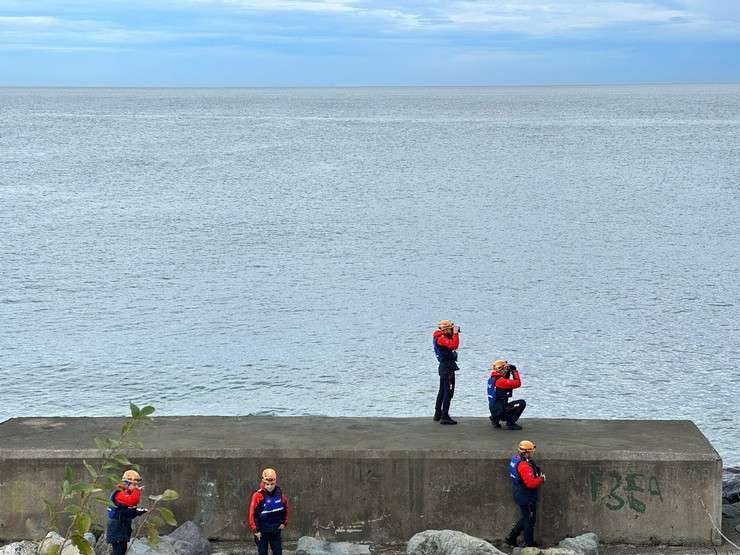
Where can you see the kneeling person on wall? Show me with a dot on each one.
(268, 514)
(503, 380)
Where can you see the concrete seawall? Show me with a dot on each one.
(384, 479)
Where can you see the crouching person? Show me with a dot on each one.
(268, 514)
(125, 499)
(503, 380)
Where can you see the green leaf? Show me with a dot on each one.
(83, 522)
(54, 549)
(69, 474)
(152, 534)
(90, 469)
(135, 411)
(155, 498)
(168, 516)
(103, 443)
(82, 487)
(170, 495)
(104, 501)
(82, 544)
(122, 459)
(147, 410)
(156, 521)
(66, 487)
(72, 509)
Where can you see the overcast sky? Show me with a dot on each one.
(367, 42)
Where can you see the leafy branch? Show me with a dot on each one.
(81, 491)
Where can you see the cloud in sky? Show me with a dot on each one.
(490, 34)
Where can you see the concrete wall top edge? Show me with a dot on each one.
(352, 437)
(238, 454)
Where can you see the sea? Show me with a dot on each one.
(290, 251)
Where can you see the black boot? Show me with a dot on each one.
(495, 422)
(513, 426)
(447, 420)
(437, 415)
(511, 540)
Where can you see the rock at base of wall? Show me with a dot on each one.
(141, 546)
(53, 539)
(24, 547)
(448, 542)
(102, 547)
(585, 544)
(731, 511)
(188, 539)
(731, 485)
(548, 551)
(312, 546)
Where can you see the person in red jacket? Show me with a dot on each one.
(446, 340)
(268, 514)
(124, 508)
(526, 479)
(503, 380)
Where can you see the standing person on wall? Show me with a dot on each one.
(446, 340)
(268, 514)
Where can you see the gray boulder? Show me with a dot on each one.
(24, 547)
(102, 547)
(585, 544)
(731, 486)
(188, 539)
(312, 546)
(54, 539)
(548, 551)
(448, 542)
(140, 546)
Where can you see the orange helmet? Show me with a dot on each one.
(526, 446)
(269, 476)
(131, 476)
(499, 364)
(445, 324)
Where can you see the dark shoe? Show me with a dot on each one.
(447, 420)
(513, 426)
(511, 540)
(496, 423)
(437, 416)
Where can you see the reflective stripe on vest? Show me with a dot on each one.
(272, 504)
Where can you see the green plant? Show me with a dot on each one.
(85, 489)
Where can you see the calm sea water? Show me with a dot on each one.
(289, 251)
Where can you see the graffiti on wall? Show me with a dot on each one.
(617, 491)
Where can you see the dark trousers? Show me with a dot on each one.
(273, 539)
(445, 393)
(525, 524)
(510, 412)
(119, 548)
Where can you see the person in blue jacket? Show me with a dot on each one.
(125, 499)
(268, 514)
(526, 478)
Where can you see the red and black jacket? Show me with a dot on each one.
(268, 510)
